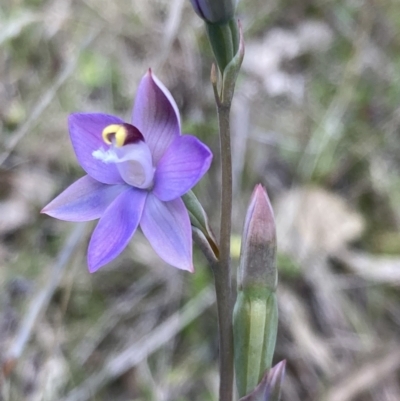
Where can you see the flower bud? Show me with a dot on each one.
(270, 386)
(258, 251)
(214, 11)
(224, 39)
(255, 316)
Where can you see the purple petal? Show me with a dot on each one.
(115, 228)
(85, 131)
(181, 167)
(84, 200)
(167, 227)
(156, 115)
(135, 165)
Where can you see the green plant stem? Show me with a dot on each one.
(222, 272)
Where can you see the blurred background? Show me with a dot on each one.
(315, 119)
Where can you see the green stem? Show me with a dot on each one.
(222, 272)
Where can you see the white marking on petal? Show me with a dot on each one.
(134, 163)
(106, 156)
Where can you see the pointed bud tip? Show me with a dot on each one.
(150, 75)
(269, 388)
(260, 212)
(278, 371)
(261, 194)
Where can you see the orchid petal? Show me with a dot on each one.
(85, 130)
(135, 164)
(181, 167)
(133, 161)
(156, 115)
(167, 227)
(84, 200)
(116, 227)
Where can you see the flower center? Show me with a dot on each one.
(121, 134)
(128, 150)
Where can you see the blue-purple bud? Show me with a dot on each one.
(222, 29)
(255, 316)
(258, 251)
(214, 11)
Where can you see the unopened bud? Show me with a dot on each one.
(224, 39)
(258, 251)
(255, 316)
(269, 389)
(214, 11)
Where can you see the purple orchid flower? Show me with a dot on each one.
(136, 174)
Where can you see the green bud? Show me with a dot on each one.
(224, 40)
(255, 316)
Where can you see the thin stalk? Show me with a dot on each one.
(222, 273)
